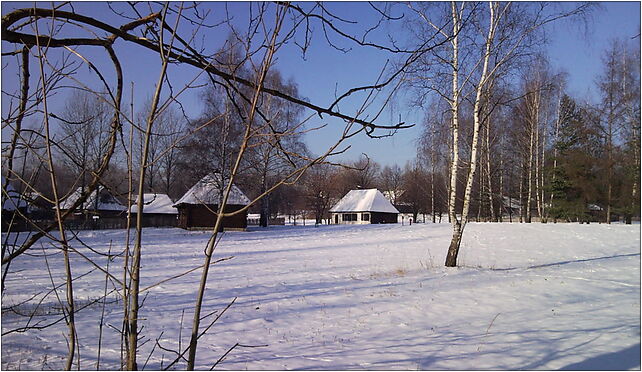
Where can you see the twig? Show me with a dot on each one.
(153, 348)
(102, 313)
(230, 350)
(487, 329)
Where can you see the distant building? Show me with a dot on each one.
(158, 211)
(99, 204)
(364, 207)
(39, 208)
(14, 207)
(101, 210)
(197, 208)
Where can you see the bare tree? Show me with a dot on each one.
(415, 185)
(391, 180)
(616, 89)
(320, 188)
(361, 174)
(163, 147)
(84, 125)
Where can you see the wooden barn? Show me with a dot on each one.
(101, 210)
(100, 203)
(366, 206)
(158, 211)
(197, 208)
(14, 207)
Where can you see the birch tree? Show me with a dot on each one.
(509, 30)
(617, 86)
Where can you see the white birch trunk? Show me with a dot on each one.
(458, 226)
(453, 250)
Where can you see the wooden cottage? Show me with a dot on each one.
(101, 210)
(100, 203)
(158, 211)
(197, 208)
(14, 207)
(364, 207)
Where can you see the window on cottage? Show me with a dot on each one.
(349, 217)
(365, 217)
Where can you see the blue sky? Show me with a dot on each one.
(572, 48)
(579, 53)
(326, 71)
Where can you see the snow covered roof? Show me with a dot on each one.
(595, 207)
(13, 201)
(106, 201)
(155, 203)
(368, 200)
(207, 190)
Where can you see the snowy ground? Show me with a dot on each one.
(527, 296)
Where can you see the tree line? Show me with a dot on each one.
(548, 155)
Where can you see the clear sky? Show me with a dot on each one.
(326, 72)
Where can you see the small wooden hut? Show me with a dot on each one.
(101, 210)
(365, 206)
(197, 208)
(14, 207)
(158, 211)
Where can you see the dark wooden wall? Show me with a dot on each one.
(380, 217)
(157, 220)
(201, 216)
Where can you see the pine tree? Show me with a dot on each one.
(568, 196)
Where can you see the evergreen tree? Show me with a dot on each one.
(569, 187)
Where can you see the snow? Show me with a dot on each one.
(367, 200)
(526, 296)
(206, 191)
(155, 203)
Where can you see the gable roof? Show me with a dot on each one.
(106, 201)
(155, 203)
(368, 200)
(207, 190)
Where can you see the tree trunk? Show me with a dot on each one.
(544, 213)
(501, 188)
(265, 209)
(490, 182)
(609, 165)
(432, 176)
(135, 268)
(453, 249)
(530, 175)
(557, 133)
(536, 153)
(458, 228)
(454, 166)
(521, 192)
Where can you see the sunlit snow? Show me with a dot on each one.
(526, 296)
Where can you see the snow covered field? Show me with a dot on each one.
(527, 296)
